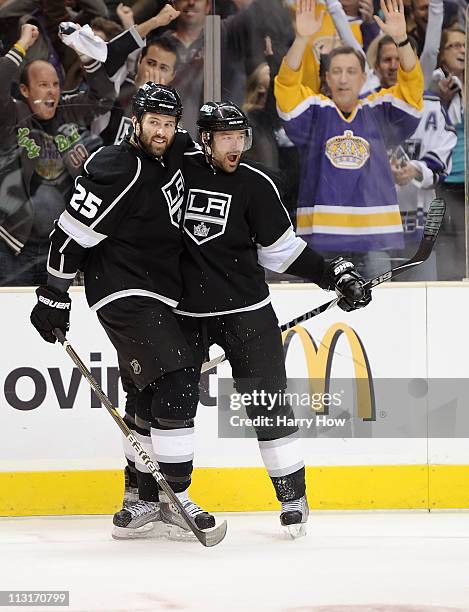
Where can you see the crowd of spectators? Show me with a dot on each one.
(359, 136)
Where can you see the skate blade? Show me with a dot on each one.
(175, 532)
(295, 531)
(148, 531)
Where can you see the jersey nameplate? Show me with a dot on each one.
(174, 194)
(206, 214)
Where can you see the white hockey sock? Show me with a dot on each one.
(282, 456)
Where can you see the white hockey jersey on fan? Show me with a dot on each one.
(429, 149)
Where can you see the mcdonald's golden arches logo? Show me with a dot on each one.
(319, 361)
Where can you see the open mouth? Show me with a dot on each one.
(49, 103)
(232, 158)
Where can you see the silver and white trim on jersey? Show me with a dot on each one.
(173, 445)
(282, 253)
(81, 233)
(224, 312)
(92, 67)
(282, 456)
(197, 152)
(13, 242)
(273, 185)
(15, 56)
(133, 292)
(85, 165)
(59, 273)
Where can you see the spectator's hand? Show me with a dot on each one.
(365, 7)
(394, 24)
(448, 88)
(126, 15)
(167, 14)
(150, 74)
(404, 174)
(29, 35)
(306, 23)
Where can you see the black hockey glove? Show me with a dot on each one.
(341, 276)
(52, 310)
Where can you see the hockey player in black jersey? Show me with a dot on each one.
(121, 228)
(235, 225)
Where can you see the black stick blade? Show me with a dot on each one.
(435, 216)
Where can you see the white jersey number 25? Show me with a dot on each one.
(85, 203)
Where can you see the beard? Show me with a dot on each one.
(152, 148)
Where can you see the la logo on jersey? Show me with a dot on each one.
(206, 214)
(174, 194)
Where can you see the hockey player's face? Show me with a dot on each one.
(157, 133)
(227, 148)
(387, 66)
(345, 78)
(42, 92)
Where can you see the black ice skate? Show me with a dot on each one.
(294, 516)
(171, 515)
(136, 520)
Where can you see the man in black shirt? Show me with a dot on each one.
(124, 234)
(235, 225)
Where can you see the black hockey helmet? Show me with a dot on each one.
(223, 117)
(153, 98)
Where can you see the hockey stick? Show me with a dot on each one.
(208, 537)
(433, 222)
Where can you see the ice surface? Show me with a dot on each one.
(349, 562)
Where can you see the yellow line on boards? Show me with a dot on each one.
(244, 489)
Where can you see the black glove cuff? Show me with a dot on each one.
(308, 265)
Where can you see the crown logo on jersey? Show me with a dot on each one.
(348, 151)
(201, 230)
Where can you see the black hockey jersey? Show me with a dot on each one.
(122, 226)
(234, 226)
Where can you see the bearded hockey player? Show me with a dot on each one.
(124, 234)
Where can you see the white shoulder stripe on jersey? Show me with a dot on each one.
(193, 153)
(274, 186)
(85, 165)
(279, 255)
(81, 233)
